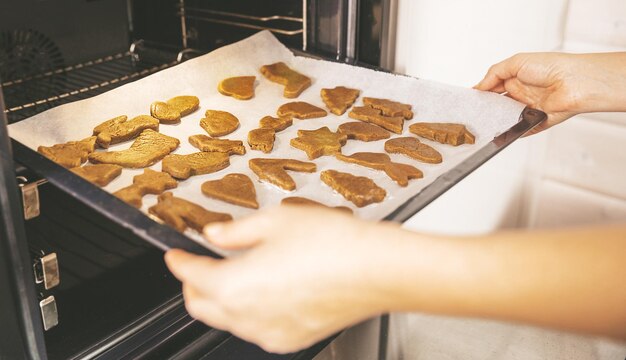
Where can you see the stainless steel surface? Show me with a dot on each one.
(359, 342)
(30, 199)
(47, 271)
(49, 313)
(183, 23)
(351, 40)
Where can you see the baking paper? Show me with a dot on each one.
(485, 114)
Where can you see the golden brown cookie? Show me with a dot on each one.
(445, 133)
(300, 110)
(400, 173)
(149, 147)
(219, 123)
(278, 124)
(363, 131)
(374, 116)
(71, 154)
(274, 171)
(339, 99)
(200, 163)
(361, 191)
(165, 113)
(262, 139)
(235, 189)
(294, 82)
(240, 87)
(101, 175)
(413, 148)
(300, 201)
(208, 144)
(118, 129)
(390, 108)
(184, 104)
(319, 142)
(150, 182)
(181, 214)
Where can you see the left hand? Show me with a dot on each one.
(308, 274)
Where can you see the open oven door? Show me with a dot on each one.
(22, 333)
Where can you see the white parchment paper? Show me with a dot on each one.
(485, 114)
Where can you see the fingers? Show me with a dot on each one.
(204, 309)
(499, 73)
(243, 233)
(192, 269)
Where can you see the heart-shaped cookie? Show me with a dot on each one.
(235, 189)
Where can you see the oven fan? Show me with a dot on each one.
(27, 55)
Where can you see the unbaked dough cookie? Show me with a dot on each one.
(70, 154)
(445, 133)
(219, 123)
(400, 173)
(361, 191)
(209, 144)
(319, 142)
(149, 147)
(121, 129)
(277, 124)
(413, 148)
(294, 82)
(300, 201)
(389, 107)
(363, 131)
(300, 110)
(200, 163)
(262, 139)
(235, 189)
(101, 174)
(171, 111)
(339, 99)
(150, 182)
(274, 171)
(375, 116)
(239, 87)
(182, 214)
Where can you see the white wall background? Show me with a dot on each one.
(570, 175)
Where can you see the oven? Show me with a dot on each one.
(81, 273)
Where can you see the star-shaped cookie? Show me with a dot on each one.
(319, 142)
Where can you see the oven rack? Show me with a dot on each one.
(31, 95)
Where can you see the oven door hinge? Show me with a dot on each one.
(49, 314)
(46, 269)
(30, 197)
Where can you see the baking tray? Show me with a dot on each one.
(485, 113)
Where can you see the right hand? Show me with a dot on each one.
(562, 85)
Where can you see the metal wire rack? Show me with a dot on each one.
(76, 82)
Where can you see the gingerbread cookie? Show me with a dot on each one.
(300, 110)
(240, 87)
(208, 144)
(149, 147)
(413, 148)
(361, 191)
(294, 82)
(277, 124)
(445, 133)
(181, 214)
(319, 142)
(390, 108)
(339, 99)
(118, 129)
(300, 201)
(262, 139)
(101, 175)
(184, 166)
(150, 182)
(185, 104)
(219, 123)
(400, 173)
(274, 171)
(363, 131)
(71, 154)
(235, 189)
(171, 111)
(375, 116)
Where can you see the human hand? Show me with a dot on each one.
(308, 274)
(562, 85)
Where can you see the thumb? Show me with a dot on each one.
(240, 234)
